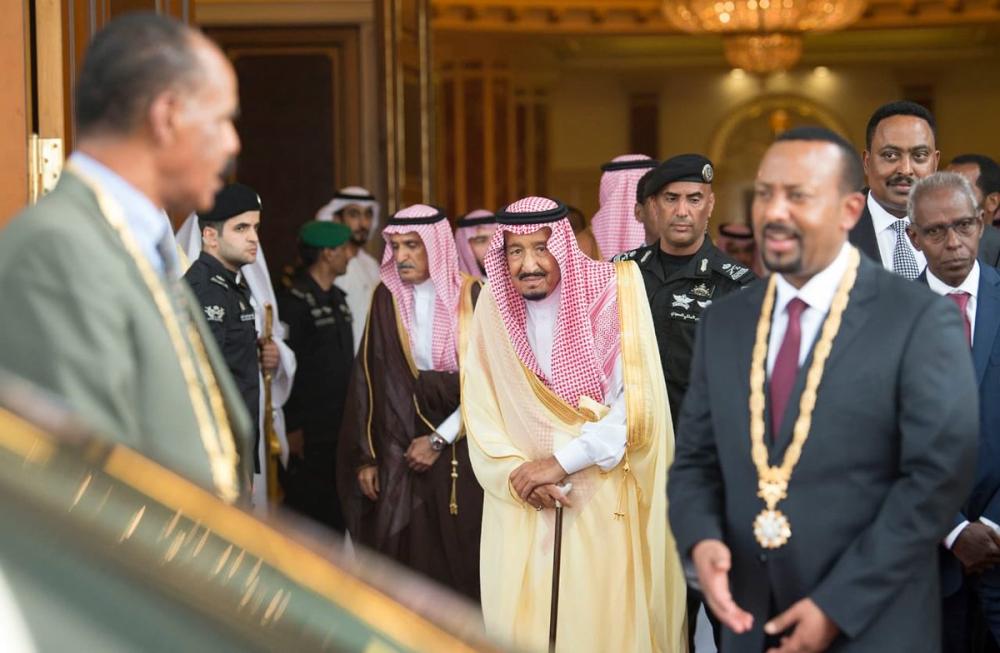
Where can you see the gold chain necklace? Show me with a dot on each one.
(771, 527)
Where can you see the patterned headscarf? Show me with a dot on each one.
(587, 333)
(478, 222)
(442, 260)
(614, 225)
(347, 196)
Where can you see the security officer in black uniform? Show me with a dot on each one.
(229, 241)
(684, 273)
(320, 333)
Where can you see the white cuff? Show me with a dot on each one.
(449, 428)
(953, 535)
(573, 456)
(990, 523)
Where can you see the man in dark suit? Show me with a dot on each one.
(984, 175)
(816, 527)
(946, 227)
(900, 148)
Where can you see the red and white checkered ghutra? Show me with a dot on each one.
(587, 333)
(442, 260)
(614, 225)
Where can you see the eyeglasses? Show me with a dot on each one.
(937, 233)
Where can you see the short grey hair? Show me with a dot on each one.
(941, 181)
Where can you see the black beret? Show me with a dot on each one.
(683, 167)
(230, 202)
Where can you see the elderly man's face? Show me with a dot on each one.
(902, 152)
(411, 257)
(800, 214)
(195, 139)
(946, 227)
(534, 272)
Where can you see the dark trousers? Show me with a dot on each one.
(694, 601)
(971, 616)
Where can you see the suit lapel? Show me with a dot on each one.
(853, 321)
(987, 318)
(863, 235)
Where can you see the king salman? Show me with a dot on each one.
(564, 401)
(403, 473)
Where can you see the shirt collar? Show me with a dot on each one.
(147, 223)
(818, 292)
(216, 267)
(970, 285)
(881, 219)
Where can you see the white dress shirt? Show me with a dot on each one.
(882, 220)
(600, 443)
(818, 294)
(423, 348)
(148, 224)
(971, 286)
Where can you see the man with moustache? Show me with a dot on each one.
(359, 210)
(900, 148)
(829, 434)
(229, 241)
(984, 175)
(405, 482)
(946, 227)
(94, 310)
(683, 271)
(560, 384)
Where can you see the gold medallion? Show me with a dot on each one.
(771, 527)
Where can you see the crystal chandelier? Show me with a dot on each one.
(762, 36)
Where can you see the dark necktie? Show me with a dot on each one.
(786, 365)
(961, 300)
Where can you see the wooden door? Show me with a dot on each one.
(299, 123)
(406, 95)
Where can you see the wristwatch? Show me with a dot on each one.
(437, 442)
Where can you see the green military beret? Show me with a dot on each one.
(322, 233)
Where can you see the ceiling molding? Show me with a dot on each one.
(646, 17)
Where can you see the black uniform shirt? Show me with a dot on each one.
(678, 293)
(230, 315)
(320, 333)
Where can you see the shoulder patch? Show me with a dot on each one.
(735, 272)
(219, 279)
(215, 313)
(624, 256)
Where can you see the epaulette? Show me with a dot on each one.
(303, 295)
(735, 272)
(639, 255)
(219, 279)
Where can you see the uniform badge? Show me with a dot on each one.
(215, 313)
(726, 266)
(702, 290)
(682, 301)
(243, 306)
(707, 173)
(737, 271)
(646, 256)
(316, 312)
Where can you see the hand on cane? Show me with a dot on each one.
(546, 496)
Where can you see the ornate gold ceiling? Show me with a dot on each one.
(646, 16)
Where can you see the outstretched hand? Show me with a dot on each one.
(713, 560)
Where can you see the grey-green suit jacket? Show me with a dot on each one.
(77, 319)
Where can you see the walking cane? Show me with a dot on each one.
(556, 559)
